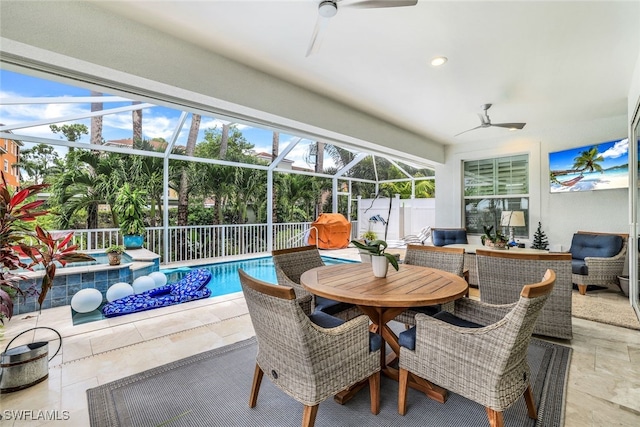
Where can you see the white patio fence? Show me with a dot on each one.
(203, 241)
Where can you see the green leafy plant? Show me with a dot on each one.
(129, 206)
(19, 241)
(377, 247)
(115, 249)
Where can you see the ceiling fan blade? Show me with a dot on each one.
(468, 130)
(509, 125)
(316, 37)
(370, 4)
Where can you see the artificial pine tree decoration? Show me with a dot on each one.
(540, 239)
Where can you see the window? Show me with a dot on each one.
(492, 186)
(6, 166)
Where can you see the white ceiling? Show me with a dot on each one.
(543, 63)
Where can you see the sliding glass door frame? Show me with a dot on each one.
(634, 210)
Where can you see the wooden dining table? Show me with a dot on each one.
(382, 299)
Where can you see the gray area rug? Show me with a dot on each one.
(212, 389)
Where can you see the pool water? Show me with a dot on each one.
(225, 279)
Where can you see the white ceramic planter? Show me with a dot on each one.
(380, 265)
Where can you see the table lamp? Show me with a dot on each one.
(512, 219)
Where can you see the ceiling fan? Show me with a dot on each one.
(485, 122)
(327, 9)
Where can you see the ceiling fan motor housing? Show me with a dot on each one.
(327, 9)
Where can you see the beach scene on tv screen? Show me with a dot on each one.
(602, 166)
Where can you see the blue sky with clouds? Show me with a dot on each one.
(157, 122)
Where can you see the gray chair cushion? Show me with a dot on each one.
(595, 245)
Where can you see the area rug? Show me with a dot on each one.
(604, 307)
(212, 389)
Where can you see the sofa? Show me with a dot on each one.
(597, 259)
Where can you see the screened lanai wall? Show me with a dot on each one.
(264, 149)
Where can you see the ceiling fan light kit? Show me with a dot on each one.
(485, 122)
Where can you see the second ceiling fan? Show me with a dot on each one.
(485, 122)
(327, 9)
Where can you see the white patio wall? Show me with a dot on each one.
(407, 216)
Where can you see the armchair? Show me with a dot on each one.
(486, 364)
(501, 275)
(447, 259)
(448, 236)
(597, 259)
(308, 357)
(290, 264)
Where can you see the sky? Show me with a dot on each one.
(615, 153)
(157, 122)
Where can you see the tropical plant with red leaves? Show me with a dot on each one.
(16, 235)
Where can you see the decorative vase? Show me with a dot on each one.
(380, 265)
(114, 258)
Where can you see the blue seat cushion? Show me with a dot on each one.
(443, 237)
(330, 306)
(452, 319)
(595, 245)
(325, 320)
(407, 338)
(429, 310)
(578, 266)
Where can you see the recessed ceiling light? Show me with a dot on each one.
(438, 61)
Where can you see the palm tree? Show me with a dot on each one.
(183, 192)
(90, 178)
(588, 160)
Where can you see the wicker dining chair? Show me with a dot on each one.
(501, 275)
(486, 364)
(291, 263)
(308, 357)
(442, 258)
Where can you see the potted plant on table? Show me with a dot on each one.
(380, 260)
(114, 253)
(129, 207)
(496, 241)
(367, 236)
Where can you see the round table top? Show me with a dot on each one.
(411, 286)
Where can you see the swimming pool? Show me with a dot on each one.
(225, 278)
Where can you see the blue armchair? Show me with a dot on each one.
(597, 259)
(448, 236)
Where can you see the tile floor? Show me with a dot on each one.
(603, 387)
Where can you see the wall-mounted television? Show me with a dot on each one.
(602, 166)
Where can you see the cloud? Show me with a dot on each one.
(620, 148)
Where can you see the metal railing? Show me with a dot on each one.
(200, 241)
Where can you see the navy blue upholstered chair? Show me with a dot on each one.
(597, 259)
(448, 236)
